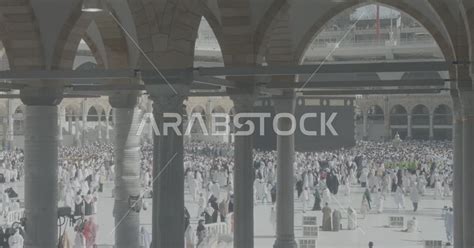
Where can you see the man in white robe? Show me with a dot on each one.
(145, 238)
(16, 240)
(351, 219)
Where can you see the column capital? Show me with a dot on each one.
(127, 100)
(42, 95)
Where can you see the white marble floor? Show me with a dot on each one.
(372, 228)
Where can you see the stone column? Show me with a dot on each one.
(168, 174)
(41, 167)
(70, 124)
(364, 126)
(467, 100)
(431, 127)
(107, 125)
(99, 125)
(458, 172)
(285, 234)
(209, 115)
(78, 132)
(244, 176)
(409, 126)
(60, 124)
(11, 125)
(127, 172)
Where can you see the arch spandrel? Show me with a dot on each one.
(24, 49)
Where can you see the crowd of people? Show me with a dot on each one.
(382, 170)
(82, 174)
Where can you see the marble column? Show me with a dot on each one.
(78, 132)
(41, 167)
(409, 126)
(467, 100)
(60, 126)
(244, 176)
(458, 172)
(11, 125)
(69, 119)
(127, 172)
(168, 174)
(99, 125)
(285, 234)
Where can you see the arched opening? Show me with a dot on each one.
(334, 38)
(92, 115)
(103, 116)
(19, 121)
(84, 59)
(207, 53)
(4, 64)
(375, 122)
(371, 32)
(399, 121)
(420, 122)
(375, 114)
(443, 123)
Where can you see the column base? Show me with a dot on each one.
(285, 244)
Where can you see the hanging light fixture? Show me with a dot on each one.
(93, 6)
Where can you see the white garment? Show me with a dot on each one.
(305, 198)
(16, 241)
(380, 202)
(189, 236)
(145, 238)
(215, 189)
(412, 226)
(352, 219)
(79, 240)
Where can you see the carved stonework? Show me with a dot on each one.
(41, 96)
